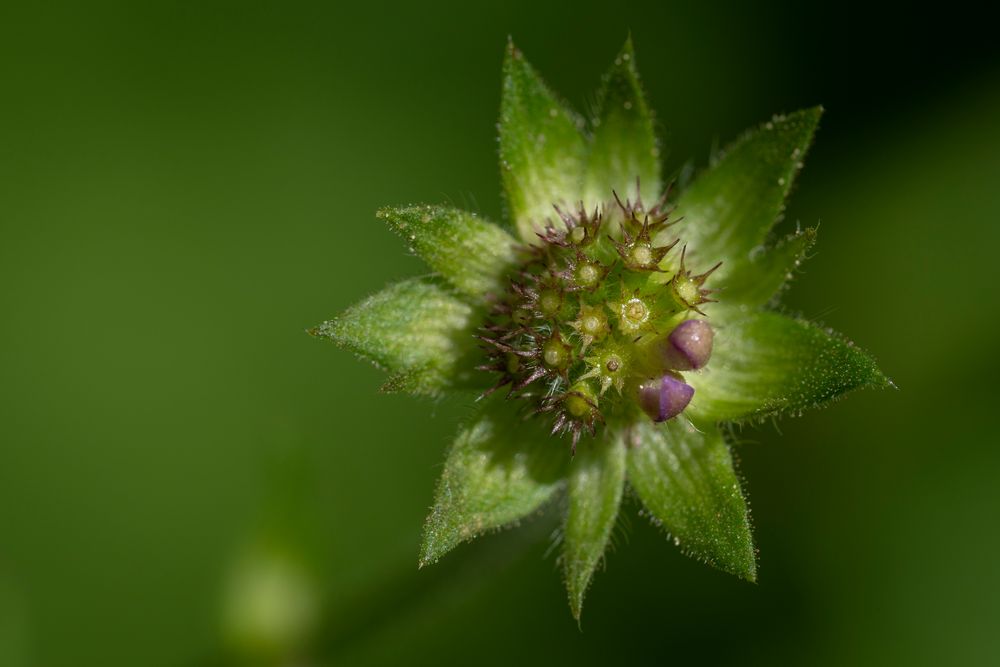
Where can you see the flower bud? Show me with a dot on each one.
(555, 353)
(665, 397)
(689, 346)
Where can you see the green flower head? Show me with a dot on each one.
(612, 329)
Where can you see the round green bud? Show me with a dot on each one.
(687, 291)
(642, 255)
(587, 275)
(636, 311)
(555, 353)
(632, 315)
(580, 401)
(577, 406)
(593, 322)
(549, 302)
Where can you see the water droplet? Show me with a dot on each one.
(555, 112)
(628, 104)
(769, 125)
(781, 181)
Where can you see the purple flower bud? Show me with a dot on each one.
(689, 346)
(665, 397)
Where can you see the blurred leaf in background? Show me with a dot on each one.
(185, 187)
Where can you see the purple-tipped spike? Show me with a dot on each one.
(689, 346)
(665, 397)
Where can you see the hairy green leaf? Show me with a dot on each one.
(596, 479)
(624, 146)
(765, 364)
(541, 147)
(471, 253)
(418, 329)
(500, 468)
(756, 282)
(686, 480)
(730, 208)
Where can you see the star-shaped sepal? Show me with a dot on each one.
(688, 288)
(635, 246)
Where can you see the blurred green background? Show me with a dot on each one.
(186, 478)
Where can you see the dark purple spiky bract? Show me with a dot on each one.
(585, 325)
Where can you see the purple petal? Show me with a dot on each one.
(689, 346)
(665, 397)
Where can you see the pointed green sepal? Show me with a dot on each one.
(426, 380)
(500, 469)
(624, 147)
(471, 253)
(729, 209)
(770, 269)
(596, 479)
(541, 148)
(417, 329)
(765, 364)
(686, 480)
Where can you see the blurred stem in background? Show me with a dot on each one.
(275, 611)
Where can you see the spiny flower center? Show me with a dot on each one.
(596, 323)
